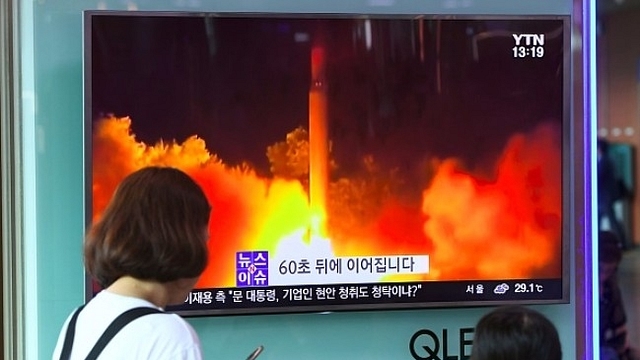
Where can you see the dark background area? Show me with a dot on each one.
(422, 89)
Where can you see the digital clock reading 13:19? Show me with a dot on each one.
(528, 51)
(528, 45)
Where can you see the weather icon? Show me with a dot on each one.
(501, 289)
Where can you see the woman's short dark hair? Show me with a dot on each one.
(515, 333)
(154, 228)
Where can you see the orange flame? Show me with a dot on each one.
(506, 228)
(248, 212)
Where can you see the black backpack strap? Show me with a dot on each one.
(117, 324)
(68, 338)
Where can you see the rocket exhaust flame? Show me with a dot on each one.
(511, 225)
(472, 228)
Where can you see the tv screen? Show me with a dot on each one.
(353, 161)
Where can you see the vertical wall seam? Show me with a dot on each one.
(11, 174)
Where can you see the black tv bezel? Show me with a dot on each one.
(568, 167)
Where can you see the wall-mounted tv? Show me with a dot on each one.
(353, 161)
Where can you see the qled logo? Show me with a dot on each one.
(425, 344)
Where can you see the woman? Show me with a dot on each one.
(515, 333)
(147, 251)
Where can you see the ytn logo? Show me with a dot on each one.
(426, 345)
(529, 39)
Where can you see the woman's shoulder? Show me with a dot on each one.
(163, 333)
(169, 321)
(160, 324)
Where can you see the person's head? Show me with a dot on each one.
(515, 333)
(602, 146)
(154, 228)
(609, 254)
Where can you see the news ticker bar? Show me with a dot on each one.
(317, 296)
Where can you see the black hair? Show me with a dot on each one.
(515, 333)
(602, 144)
